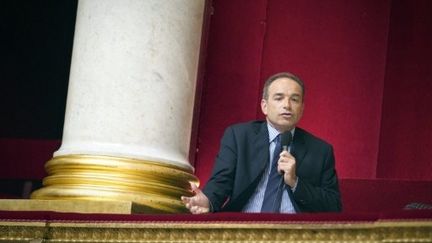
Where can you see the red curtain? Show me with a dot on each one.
(406, 131)
(366, 68)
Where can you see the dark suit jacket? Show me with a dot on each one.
(243, 156)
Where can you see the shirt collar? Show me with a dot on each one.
(273, 133)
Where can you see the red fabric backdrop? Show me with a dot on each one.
(406, 130)
(25, 158)
(366, 65)
(366, 68)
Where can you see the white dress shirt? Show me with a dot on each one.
(255, 202)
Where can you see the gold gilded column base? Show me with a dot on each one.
(152, 186)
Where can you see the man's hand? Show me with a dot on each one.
(198, 203)
(287, 165)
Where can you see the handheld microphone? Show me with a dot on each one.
(286, 139)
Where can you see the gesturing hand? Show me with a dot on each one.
(198, 203)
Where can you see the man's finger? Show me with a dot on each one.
(193, 186)
(185, 199)
(194, 209)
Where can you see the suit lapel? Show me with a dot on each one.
(253, 167)
(261, 152)
(299, 147)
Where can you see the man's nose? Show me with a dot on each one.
(287, 104)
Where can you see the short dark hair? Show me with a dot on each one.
(291, 76)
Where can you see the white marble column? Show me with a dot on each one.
(132, 80)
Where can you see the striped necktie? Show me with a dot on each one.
(272, 195)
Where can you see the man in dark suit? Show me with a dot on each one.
(253, 174)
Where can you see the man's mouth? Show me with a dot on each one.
(286, 115)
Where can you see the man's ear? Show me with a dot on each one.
(264, 106)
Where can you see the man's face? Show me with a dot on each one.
(284, 105)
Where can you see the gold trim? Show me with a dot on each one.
(164, 231)
(71, 206)
(154, 186)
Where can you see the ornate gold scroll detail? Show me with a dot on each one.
(155, 187)
(22, 231)
(299, 232)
